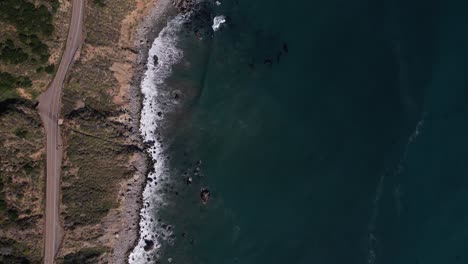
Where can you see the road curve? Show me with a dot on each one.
(49, 107)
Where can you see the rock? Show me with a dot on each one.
(176, 94)
(205, 195)
(189, 180)
(149, 245)
(155, 60)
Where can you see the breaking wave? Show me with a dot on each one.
(163, 54)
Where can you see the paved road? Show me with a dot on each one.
(49, 107)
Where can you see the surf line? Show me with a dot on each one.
(372, 238)
(164, 48)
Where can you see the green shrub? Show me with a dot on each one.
(55, 4)
(9, 53)
(26, 17)
(7, 80)
(3, 205)
(16, 253)
(28, 168)
(50, 68)
(12, 214)
(21, 132)
(8, 83)
(38, 48)
(100, 3)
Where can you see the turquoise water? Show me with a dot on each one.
(328, 132)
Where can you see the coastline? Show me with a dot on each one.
(157, 40)
(132, 202)
(141, 233)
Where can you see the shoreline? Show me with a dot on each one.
(138, 240)
(156, 40)
(131, 190)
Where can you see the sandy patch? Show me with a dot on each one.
(38, 155)
(23, 94)
(123, 118)
(123, 73)
(7, 27)
(79, 104)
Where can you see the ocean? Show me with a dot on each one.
(325, 132)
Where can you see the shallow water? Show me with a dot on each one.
(328, 132)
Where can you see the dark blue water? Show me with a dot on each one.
(329, 132)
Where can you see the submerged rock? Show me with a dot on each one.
(205, 195)
(189, 180)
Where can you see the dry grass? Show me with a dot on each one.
(93, 170)
(55, 44)
(97, 155)
(22, 155)
(22, 177)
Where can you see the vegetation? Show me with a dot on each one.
(100, 3)
(92, 192)
(37, 47)
(13, 252)
(28, 168)
(8, 84)
(50, 68)
(20, 132)
(3, 205)
(12, 214)
(26, 17)
(27, 39)
(87, 255)
(9, 53)
(21, 182)
(7, 80)
(55, 4)
(30, 24)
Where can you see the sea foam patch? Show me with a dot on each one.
(218, 21)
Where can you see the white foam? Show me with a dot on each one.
(217, 21)
(165, 48)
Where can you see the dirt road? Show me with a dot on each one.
(49, 107)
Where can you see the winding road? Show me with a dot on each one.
(49, 107)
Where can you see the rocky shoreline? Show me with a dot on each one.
(131, 190)
(131, 202)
